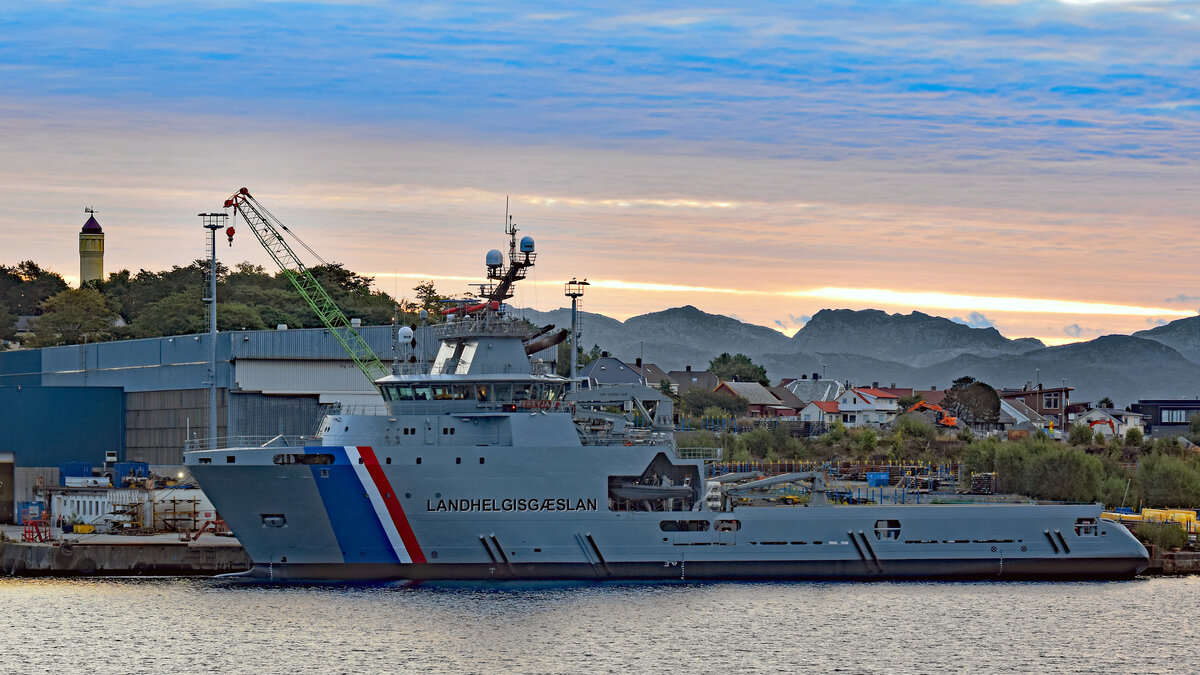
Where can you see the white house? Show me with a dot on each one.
(1121, 420)
(866, 406)
(825, 412)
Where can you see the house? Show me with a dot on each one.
(821, 412)
(787, 398)
(762, 403)
(1014, 414)
(932, 396)
(608, 370)
(1120, 421)
(1049, 402)
(652, 374)
(867, 406)
(1165, 418)
(690, 379)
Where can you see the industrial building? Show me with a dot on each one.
(142, 399)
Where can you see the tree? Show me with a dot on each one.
(738, 368)
(1105, 402)
(71, 317)
(973, 402)
(25, 287)
(1168, 481)
(563, 364)
(430, 300)
(8, 322)
(909, 401)
(1133, 437)
(184, 313)
(695, 401)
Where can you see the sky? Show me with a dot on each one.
(1032, 166)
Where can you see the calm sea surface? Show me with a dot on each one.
(190, 625)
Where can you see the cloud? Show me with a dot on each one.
(1074, 330)
(975, 320)
(1156, 322)
(1184, 297)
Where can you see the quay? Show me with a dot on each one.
(120, 555)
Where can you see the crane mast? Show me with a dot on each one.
(260, 222)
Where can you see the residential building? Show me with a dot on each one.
(1166, 417)
(690, 379)
(821, 412)
(1049, 402)
(1120, 420)
(609, 370)
(1014, 414)
(652, 374)
(867, 406)
(762, 403)
(814, 389)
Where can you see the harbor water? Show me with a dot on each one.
(203, 625)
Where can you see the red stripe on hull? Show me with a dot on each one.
(393, 504)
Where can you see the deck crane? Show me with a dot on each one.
(266, 228)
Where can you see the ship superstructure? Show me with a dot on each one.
(483, 465)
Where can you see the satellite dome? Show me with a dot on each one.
(526, 244)
(404, 334)
(495, 258)
(424, 314)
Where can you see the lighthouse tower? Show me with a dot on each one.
(91, 250)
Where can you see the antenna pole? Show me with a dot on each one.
(212, 223)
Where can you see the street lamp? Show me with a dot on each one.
(574, 290)
(212, 223)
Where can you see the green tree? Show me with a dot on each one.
(1080, 434)
(695, 401)
(907, 402)
(25, 287)
(972, 402)
(429, 300)
(1168, 481)
(183, 313)
(738, 368)
(1105, 402)
(71, 317)
(8, 322)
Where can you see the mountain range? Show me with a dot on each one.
(908, 350)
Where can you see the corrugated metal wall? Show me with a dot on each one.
(294, 376)
(258, 415)
(157, 423)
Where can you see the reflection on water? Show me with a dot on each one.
(190, 625)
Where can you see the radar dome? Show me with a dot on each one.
(494, 258)
(526, 244)
(404, 334)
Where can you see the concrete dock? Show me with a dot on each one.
(120, 555)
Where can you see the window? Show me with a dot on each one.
(1086, 527)
(684, 526)
(1174, 416)
(887, 529)
(728, 525)
(230, 459)
(1051, 400)
(296, 458)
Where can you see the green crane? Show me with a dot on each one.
(266, 228)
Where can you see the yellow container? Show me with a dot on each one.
(85, 529)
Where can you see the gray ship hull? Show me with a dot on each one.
(544, 513)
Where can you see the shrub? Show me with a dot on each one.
(1168, 481)
(1133, 437)
(915, 426)
(1080, 434)
(1163, 535)
(1063, 474)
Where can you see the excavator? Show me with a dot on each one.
(944, 418)
(1092, 425)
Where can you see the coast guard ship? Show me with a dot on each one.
(482, 467)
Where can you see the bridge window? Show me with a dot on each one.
(1086, 527)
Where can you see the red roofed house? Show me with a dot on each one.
(821, 412)
(762, 403)
(867, 406)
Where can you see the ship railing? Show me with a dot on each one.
(244, 441)
(706, 454)
(487, 323)
(630, 437)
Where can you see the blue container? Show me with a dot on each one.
(27, 511)
(877, 479)
(123, 470)
(74, 470)
(1123, 509)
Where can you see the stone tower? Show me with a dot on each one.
(91, 250)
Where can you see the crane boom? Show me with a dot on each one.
(259, 220)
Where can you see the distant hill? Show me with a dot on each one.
(914, 350)
(916, 339)
(1182, 335)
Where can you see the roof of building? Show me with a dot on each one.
(815, 390)
(827, 406)
(653, 374)
(91, 226)
(610, 370)
(786, 397)
(874, 393)
(1008, 392)
(753, 392)
(1020, 412)
(933, 396)
(690, 379)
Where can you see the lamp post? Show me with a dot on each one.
(574, 290)
(212, 223)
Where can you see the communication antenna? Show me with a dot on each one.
(89, 210)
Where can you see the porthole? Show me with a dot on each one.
(1024, 549)
(458, 460)
(389, 460)
(418, 460)
(481, 460)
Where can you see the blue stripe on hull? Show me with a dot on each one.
(359, 533)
